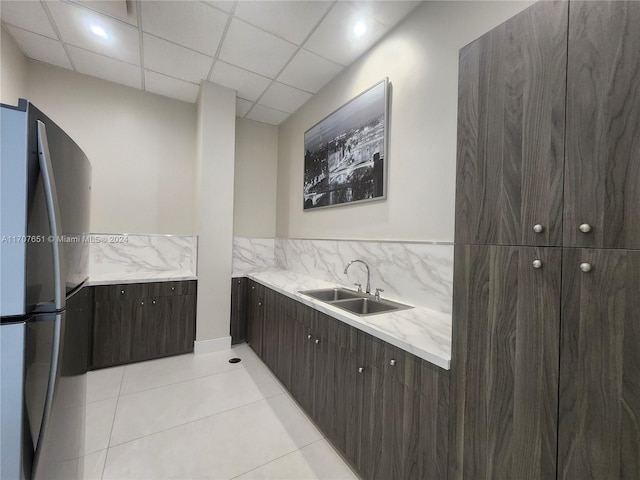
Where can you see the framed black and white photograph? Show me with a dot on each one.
(345, 154)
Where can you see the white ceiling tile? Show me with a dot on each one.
(40, 48)
(113, 8)
(226, 5)
(106, 68)
(248, 85)
(191, 24)
(74, 23)
(248, 47)
(242, 106)
(268, 115)
(309, 72)
(170, 87)
(173, 60)
(28, 16)
(292, 21)
(334, 38)
(386, 12)
(283, 97)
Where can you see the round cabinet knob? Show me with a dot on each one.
(173, 289)
(585, 228)
(141, 303)
(360, 369)
(309, 337)
(259, 304)
(537, 263)
(154, 302)
(253, 288)
(585, 267)
(538, 228)
(392, 363)
(122, 292)
(239, 282)
(317, 341)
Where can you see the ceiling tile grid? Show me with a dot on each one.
(275, 54)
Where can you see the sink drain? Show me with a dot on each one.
(234, 360)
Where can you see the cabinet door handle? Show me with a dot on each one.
(538, 228)
(537, 263)
(122, 292)
(585, 228)
(392, 363)
(154, 302)
(360, 369)
(585, 267)
(317, 341)
(259, 304)
(309, 337)
(253, 288)
(141, 303)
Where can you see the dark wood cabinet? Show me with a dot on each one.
(255, 316)
(134, 322)
(511, 111)
(545, 378)
(383, 408)
(505, 362)
(602, 166)
(599, 433)
(238, 320)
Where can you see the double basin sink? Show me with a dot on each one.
(361, 304)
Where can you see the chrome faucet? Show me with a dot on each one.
(368, 289)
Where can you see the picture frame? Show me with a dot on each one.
(345, 153)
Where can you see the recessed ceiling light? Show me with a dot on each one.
(99, 32)
(359, 28)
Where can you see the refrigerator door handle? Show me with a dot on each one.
(53, 211)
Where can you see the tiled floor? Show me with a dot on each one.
(201, 417)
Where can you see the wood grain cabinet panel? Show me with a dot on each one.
(238, 320)
(255, 316)
(505, 359)
(511, 111)
(602, 167)
(599, 432)
(136, 322)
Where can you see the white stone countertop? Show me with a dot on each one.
(121, 278)
(421, 331)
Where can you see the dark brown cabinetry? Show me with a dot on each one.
(506, 343)
(544, 366)
(602, 165)
(135, 322)
(599, 433)
(383, 408)
(255, 316)
(238, 325)
(511, 108)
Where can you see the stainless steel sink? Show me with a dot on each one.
(332, 294)
(357, 303)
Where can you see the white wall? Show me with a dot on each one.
(256, 169)
(420, 57)
(216, 111)
(141, 147)
(13, 71)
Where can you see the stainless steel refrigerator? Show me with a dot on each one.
(45, 309)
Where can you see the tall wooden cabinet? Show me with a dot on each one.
(545, 369)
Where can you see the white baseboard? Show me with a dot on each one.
(213, 345)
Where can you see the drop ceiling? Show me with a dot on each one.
(275, 54)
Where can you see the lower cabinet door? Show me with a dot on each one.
(505, 361)
(599, 433)
(255, 317)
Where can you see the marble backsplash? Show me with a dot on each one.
(130, 255)
(252, 254)
(412, 272)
